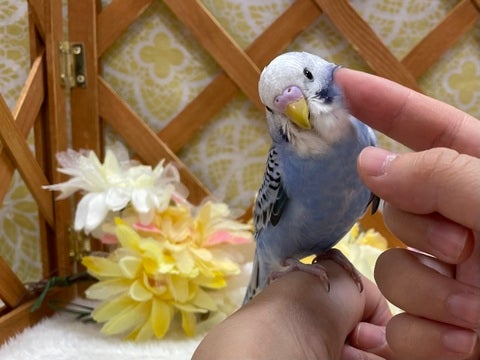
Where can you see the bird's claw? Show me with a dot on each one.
(292, 264)
(337, 256)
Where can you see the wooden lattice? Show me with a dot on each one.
(42, 104)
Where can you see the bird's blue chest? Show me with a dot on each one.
(311, 178)
(325, 198)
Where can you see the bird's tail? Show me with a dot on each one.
(256, 279)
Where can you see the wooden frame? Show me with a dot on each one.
(42, 104)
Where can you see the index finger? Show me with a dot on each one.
(414, 119)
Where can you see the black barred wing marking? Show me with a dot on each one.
(271, 198)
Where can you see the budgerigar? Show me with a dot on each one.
(311, 193)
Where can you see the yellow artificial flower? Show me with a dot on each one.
(171, 267)
(362, 248)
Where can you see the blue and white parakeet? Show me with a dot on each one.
(311, 193)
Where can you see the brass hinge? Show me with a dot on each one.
(79, 245)
(72, 65)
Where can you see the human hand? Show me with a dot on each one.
(296, 318)
(432, 204)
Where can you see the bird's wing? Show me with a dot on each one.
(272, 198)
(371, 140)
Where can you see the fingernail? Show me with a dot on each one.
(449, 239)
(375, 161)
(460, 341)
(369, 336)
(465, 307)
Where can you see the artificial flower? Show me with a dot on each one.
(169, 268)
(111, 186)
(363, 248)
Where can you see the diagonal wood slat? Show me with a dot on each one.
(37, 10)
(219, 44)
(366, 42)
(114, 20)
(222, 89)
(12, 291)
(25, 112)
(476, 3)
(458, 22)
(142, 139)
(25, 162)
(31, 97)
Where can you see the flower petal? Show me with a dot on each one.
(132, 316)
(224, 236)
(127, 237)
(140, 200)
(148, 228)
(96, 212)
(108, 309)
(179, 288)
(145, 332)
(130, 266)
(185, 263)
(110, 163)
(138, 292)
(189, 323)
(190, 308)
(107, 289)
(117, 198)
(202, 253)
(101, 267)
(109, 239)
(161, 317)
(215, 282)
(81, 212)
(146, 217)
(203, 300)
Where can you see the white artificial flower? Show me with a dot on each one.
(113, 185)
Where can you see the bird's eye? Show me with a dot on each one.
(268, 109)
(308, 74)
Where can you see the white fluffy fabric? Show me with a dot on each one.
(61, 337)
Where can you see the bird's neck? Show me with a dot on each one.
(328, 130)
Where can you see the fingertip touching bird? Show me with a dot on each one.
(311, 193)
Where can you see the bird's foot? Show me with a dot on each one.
(337, 256)
(292, 264)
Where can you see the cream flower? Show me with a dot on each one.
(111, 186)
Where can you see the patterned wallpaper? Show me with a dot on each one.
(158, 67)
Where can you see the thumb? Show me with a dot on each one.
(435, 180)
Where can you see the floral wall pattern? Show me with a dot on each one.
(158, 67)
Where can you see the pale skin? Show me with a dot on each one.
(433, 204)
(296, 318)
(432, 200)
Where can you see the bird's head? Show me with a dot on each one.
(304, 106)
